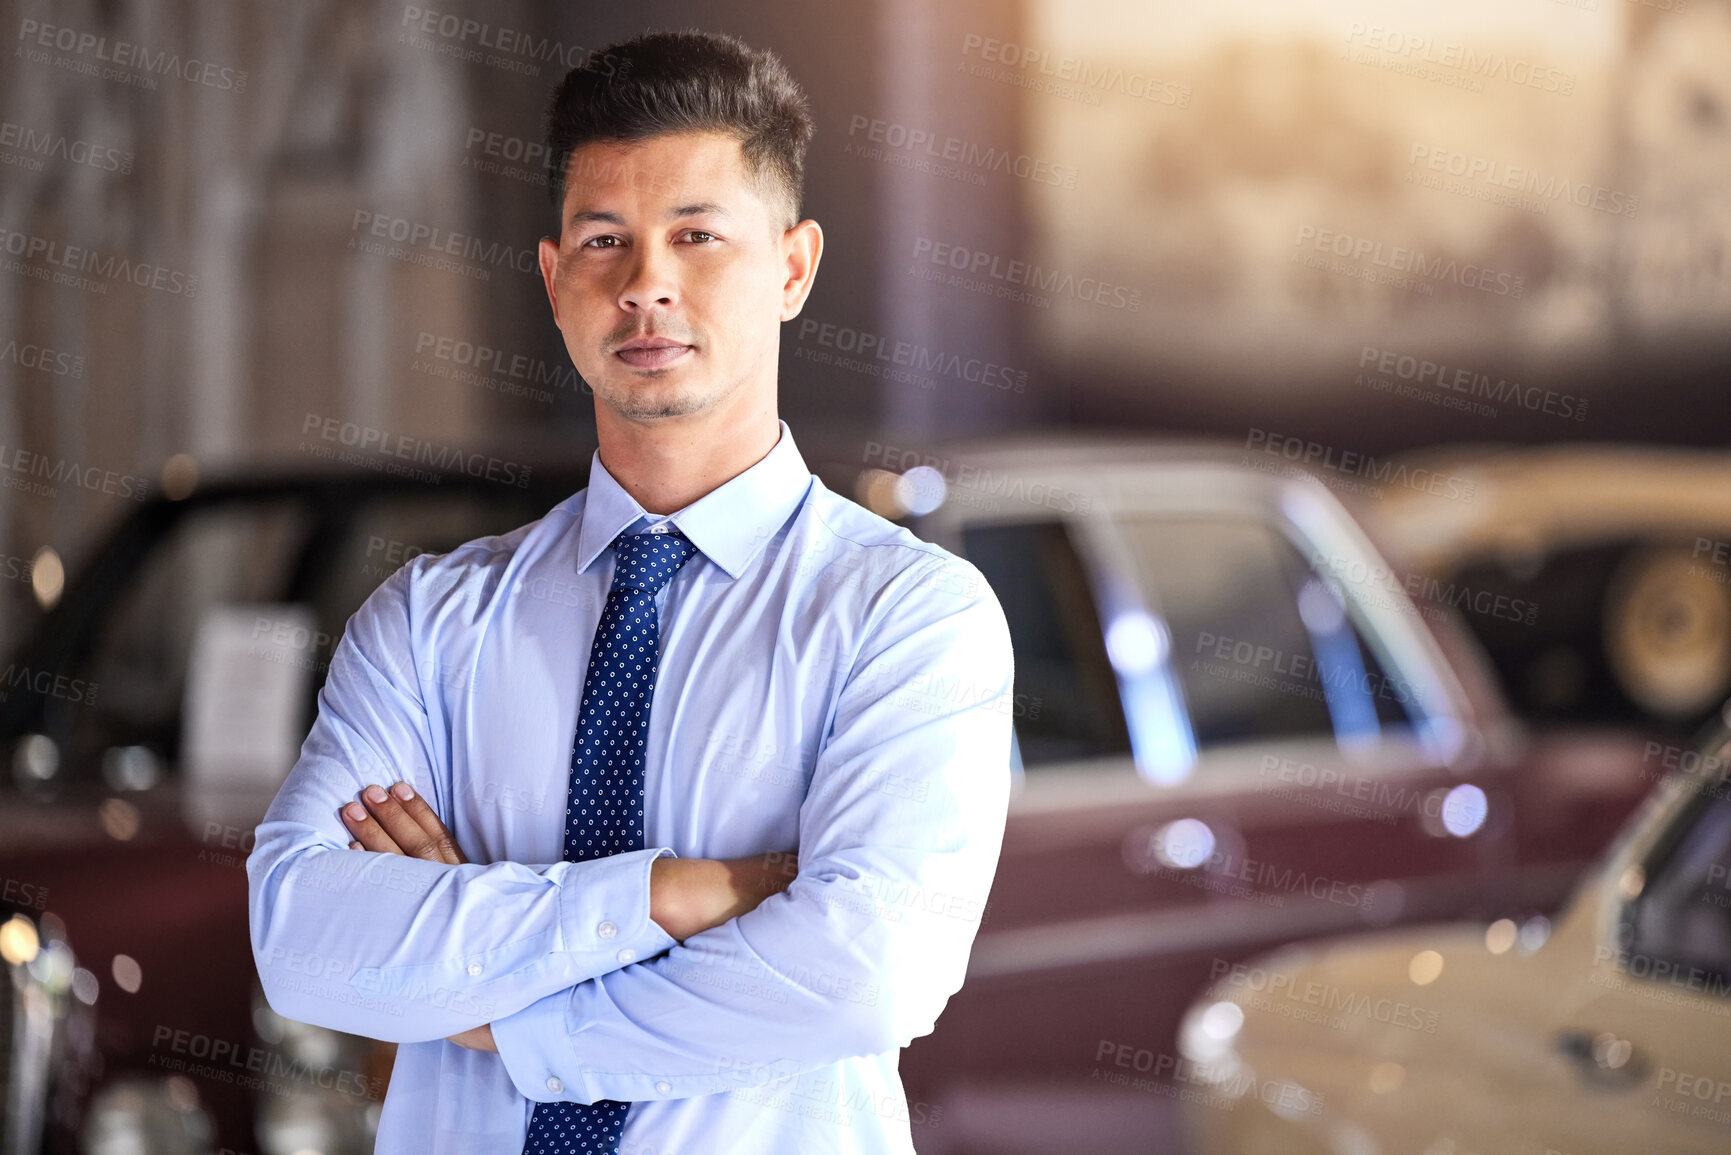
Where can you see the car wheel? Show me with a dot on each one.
(1668, 633)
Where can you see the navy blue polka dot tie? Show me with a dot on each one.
(604, 814)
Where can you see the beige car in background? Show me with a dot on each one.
(1617, 559)
(1609, 1034)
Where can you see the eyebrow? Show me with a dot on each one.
(588, 216)
(700, 208)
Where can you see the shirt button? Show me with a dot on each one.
(607, 929)
(662, 528)
(474, 969)
(664, 1086)
(554, 1085)
(627, 955)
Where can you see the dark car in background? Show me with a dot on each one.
(147, 720)
(1227, 740)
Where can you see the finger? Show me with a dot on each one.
(368, 832)
(387, 814)
(416, 808)
(388, 811)
(356, 846)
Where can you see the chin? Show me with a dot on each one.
(646, 403)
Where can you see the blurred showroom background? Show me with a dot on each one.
(1334, 393)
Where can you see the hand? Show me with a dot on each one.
(399, 821)
(688, 895)
(476, 1038)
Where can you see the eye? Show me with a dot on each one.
(604, 241)
(699, 236)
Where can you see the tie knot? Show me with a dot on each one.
(648, 561)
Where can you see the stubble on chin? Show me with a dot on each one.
(650, 404)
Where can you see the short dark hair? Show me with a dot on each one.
(688, 81)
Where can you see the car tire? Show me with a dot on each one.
(1667, 630)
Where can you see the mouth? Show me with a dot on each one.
(651, 352)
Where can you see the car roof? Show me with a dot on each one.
(1536, 498)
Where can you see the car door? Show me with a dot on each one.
(1331, 738)
(1060, 951)
(1642, 1028)
(1179, 809)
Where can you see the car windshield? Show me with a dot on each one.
(1683, 916)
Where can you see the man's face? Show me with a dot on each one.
(672, 275)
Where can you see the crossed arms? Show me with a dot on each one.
(582, 984)
(686, 895)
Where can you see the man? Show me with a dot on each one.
(605, 732)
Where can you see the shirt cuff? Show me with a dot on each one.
(604, 910)
(538, 1046)
(603, 913)
(534, 1044)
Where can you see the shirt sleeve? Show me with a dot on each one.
(401, 949)
(899, 838)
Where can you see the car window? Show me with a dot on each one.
(1066, 695)
(1683, 917)
(228, 554)
(258, 556)
(1263, 646)
(389, 530)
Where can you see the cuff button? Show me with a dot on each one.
(664, 1086)
(474, 969)
(554, 1085)
(627, 955)
(607, 929)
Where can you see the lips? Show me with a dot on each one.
(651, 352)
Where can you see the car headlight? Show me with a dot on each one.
(1210, 1030)
(1208, 1038)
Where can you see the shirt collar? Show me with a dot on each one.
(729, 525)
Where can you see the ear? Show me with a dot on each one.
(549, 254)
(801, 248)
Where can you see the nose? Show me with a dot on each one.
(649, 280)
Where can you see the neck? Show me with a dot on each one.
(670, 462)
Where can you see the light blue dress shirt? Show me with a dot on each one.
(827, 681)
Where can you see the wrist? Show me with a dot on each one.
(675, 894)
